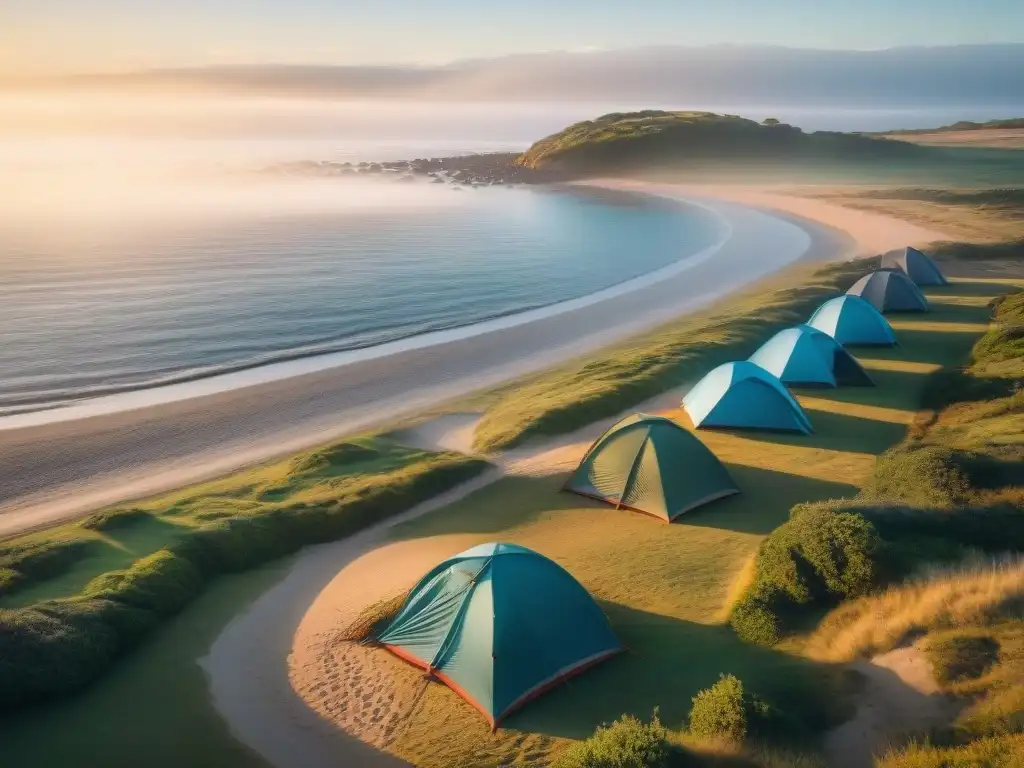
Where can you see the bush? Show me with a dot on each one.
(728, 711)
(56, 647)
(821, 555)
(626, 743)
(919, 475)
(720, 711)
(755, 617)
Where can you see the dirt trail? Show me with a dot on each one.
(900, 698)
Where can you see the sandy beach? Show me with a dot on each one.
(54, 471)
(296, 696)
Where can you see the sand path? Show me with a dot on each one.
(900, 698)
(332, 701)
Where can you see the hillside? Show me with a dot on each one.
(623, 141)
(1013, 123)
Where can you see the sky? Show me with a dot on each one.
(70, 36)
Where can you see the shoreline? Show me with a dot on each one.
(53, 472)
(268, 650)
(301, 362)
(193, 382)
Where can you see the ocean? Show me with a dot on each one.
(138, 248)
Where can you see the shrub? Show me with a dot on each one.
(626, 743)
(919, 475)
(720, 711)
(961, 656)
(821, 555)
(755, 617)
(728, 711)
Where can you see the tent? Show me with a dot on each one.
(915, 265)
(744, 396)
(651, 464)
(889, 290)
(804, 356)
(500, 624)
(851, 320)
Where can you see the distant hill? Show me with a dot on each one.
(624, 141)
(993, 134)
(1012, 123)
(734, 75)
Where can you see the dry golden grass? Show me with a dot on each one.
(997, 752)
(972, 594)
(723, 753)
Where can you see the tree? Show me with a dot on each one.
(770, 121)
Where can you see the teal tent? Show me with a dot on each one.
(742, 395)
(803, 356)
(500, 624)
(889, 290)
(652, 465)
(915, 265)
(851, 320)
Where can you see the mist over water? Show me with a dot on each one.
(139, 244)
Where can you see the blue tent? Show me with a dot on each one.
(804, 356)
(915, 265)
(500, 624)
(851, 320)
(742, 395)
(889, 290)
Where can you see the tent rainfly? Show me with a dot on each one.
(500, 624)
(742, 395)
(852, 321)
(915, 265)
(889, 290)
(803, 356)
(652, 465)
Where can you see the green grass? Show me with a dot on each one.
(607, 383)
(64, 625)
(153, 708)
(664, 587)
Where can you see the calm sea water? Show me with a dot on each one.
(135, 249)
(117, 308)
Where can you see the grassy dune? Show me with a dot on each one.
(606, 383)
(664, 587)
(78, 597)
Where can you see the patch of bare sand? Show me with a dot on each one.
(366, 692)
(900, 699)
(450, 432)
(873, 232)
